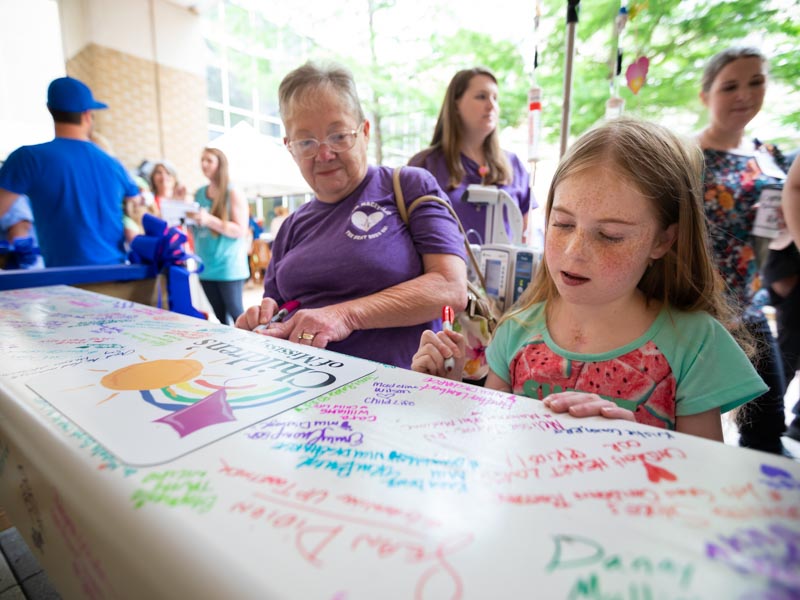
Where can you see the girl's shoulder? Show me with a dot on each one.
(524, 319)
(691, 329)
(688, 317)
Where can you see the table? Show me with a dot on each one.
(381, 484)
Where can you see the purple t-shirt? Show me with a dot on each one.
(473, 216)
(330, 253)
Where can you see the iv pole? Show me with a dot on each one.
(572, 20)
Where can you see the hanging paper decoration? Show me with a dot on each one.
(635, 9)
(637, 73)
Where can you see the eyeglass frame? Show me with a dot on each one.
(353, 132)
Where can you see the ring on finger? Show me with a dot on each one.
(306, 336)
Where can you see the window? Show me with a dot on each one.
(238, 118)
(216, 117)
(214, 83)
(247, 56)
(239, 78)
(271, 129)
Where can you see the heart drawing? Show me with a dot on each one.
(656, 474)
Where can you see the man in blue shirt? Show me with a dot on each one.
(76, 190)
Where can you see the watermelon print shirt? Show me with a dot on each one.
(733, 184)
(685, 364)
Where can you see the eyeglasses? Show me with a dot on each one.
(341, 141)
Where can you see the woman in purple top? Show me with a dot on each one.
(367, 283)
(465, 149)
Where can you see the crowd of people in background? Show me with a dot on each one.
(371, 284)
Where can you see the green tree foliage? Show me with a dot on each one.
(678, 37)
(412, 92)
(466, 49)
(402, 70)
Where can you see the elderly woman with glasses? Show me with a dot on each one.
(368, 284)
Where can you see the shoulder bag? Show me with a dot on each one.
(478, 321)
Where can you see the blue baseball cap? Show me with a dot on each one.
(70, 95)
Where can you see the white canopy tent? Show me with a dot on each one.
(258, 164)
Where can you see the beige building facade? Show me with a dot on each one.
(144, 58)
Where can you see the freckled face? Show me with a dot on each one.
(601, 235)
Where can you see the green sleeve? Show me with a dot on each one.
(510, 336)
(497, 356)
(711, 369)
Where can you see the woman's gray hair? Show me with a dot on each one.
(722, 59)
(295, 87)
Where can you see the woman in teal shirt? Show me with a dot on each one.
(219, 238)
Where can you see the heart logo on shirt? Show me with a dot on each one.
(364, 221)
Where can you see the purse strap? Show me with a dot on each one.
(406, 211)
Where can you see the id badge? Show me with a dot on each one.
(769, 216)
(768, 165)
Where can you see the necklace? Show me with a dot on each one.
(483, 171)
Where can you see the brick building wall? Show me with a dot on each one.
(154, 111)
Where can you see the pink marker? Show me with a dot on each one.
(447, 325)
(280, 315)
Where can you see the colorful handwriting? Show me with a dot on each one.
(389, 467)
(779, 479)
(109, 461)
(176, 488)
(484, 398)
(387, 393)
(409, 516)
(156, 339)
(4, 452)
(346, 411)
(773, 552)
(257, 478)
(390, 390)
(551, 465)
(319, 533)
(490, 423)
(323, 524)
(31, 507)
(280, 486)
(319, 400)
(583, 429)
(328, 432)
(642, 574)
(86, 566)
